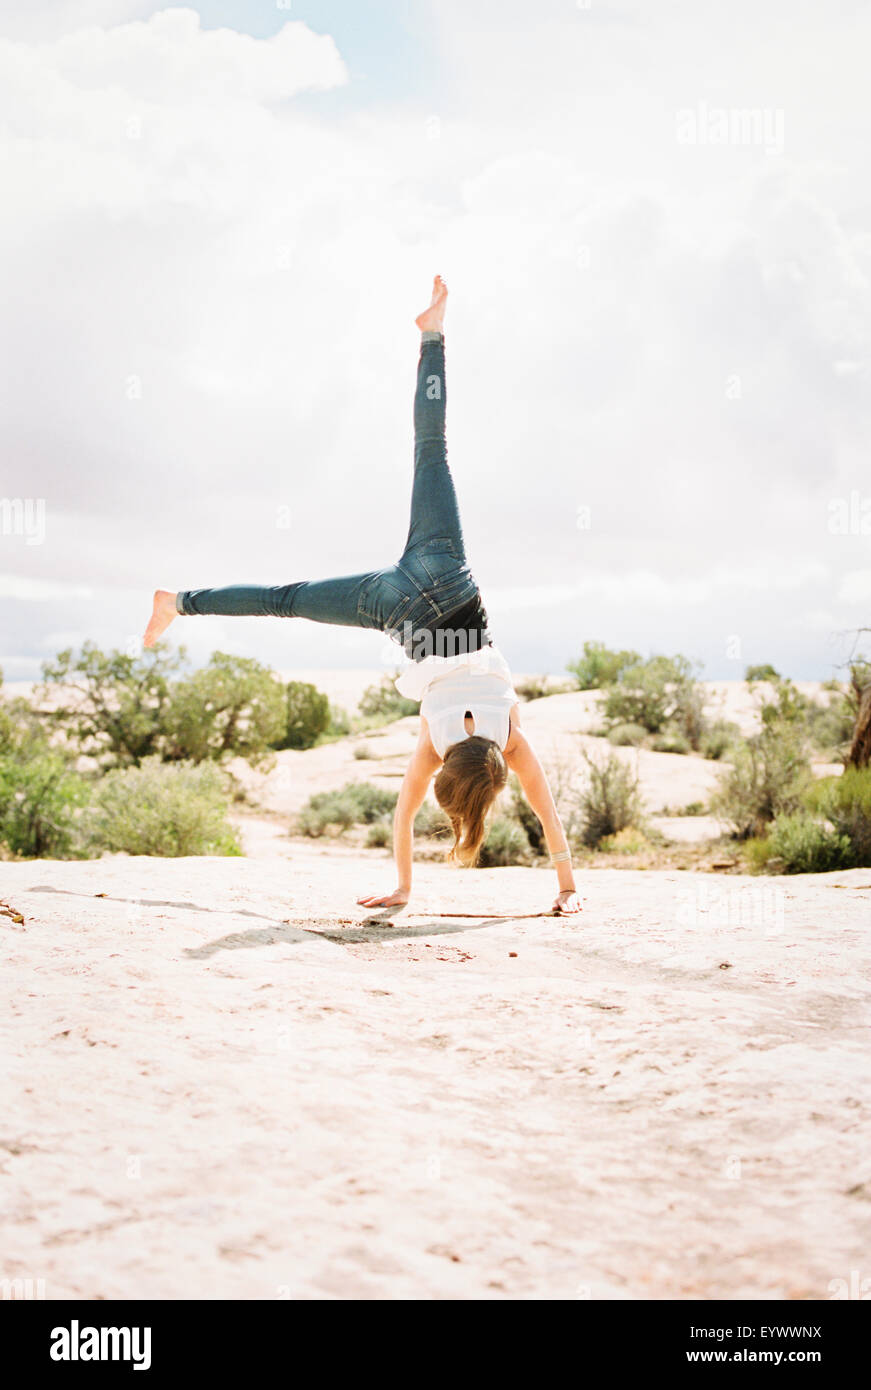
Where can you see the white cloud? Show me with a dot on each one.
(855, 587)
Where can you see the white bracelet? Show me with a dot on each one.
(564, 857)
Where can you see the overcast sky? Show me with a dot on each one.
(655, 221)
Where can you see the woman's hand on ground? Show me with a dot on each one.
(567, 901)
(395, 899)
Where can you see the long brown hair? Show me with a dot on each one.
(473, 773)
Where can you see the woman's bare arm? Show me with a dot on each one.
(522, 759)
(424, 762)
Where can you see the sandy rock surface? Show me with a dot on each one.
(223, 1079)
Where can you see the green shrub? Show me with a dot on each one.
(671, 740)
(326, 809)
(339, 725)
(802, 845)
(166, 809)
(307, 715)
(656, 693)
(380, 834)
(768, 776)
(232, 707)
(357, 803)
(692, 808)
(40, 796)
(431, 822)
(718, 738)
(765, 672)
(757, 853)
(845, 801)
(626, 841)
(610, 801)
(599, 666)
(624, 735)
(383, 702)
(505, 843)
(532, 688)
(110, 705)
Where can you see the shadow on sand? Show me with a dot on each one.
(341, 931)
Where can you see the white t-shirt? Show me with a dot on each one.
(447, 687)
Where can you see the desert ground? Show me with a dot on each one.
(224, 1079)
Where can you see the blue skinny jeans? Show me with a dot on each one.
(430, 581)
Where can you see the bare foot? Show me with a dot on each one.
(161, 617)
(432, 320)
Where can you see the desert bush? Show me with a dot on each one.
(625, 735)
(767, 777)
(356, 803)
(232, 707)
(599, 666)
(121, 709)
(112, 705)
(339, 725)
(610, 800)
(764, 672)
(532, 688)
(670, 740)
(719, 736)
(383, 702)
(323, 810)
(167, 809)
(362, 752)
(431, 822)
(657, 692)
(505, 843)
(307, 715)
(380, 834)
(845, 802)
(41, 794)
(800, 844)
(40, 797)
